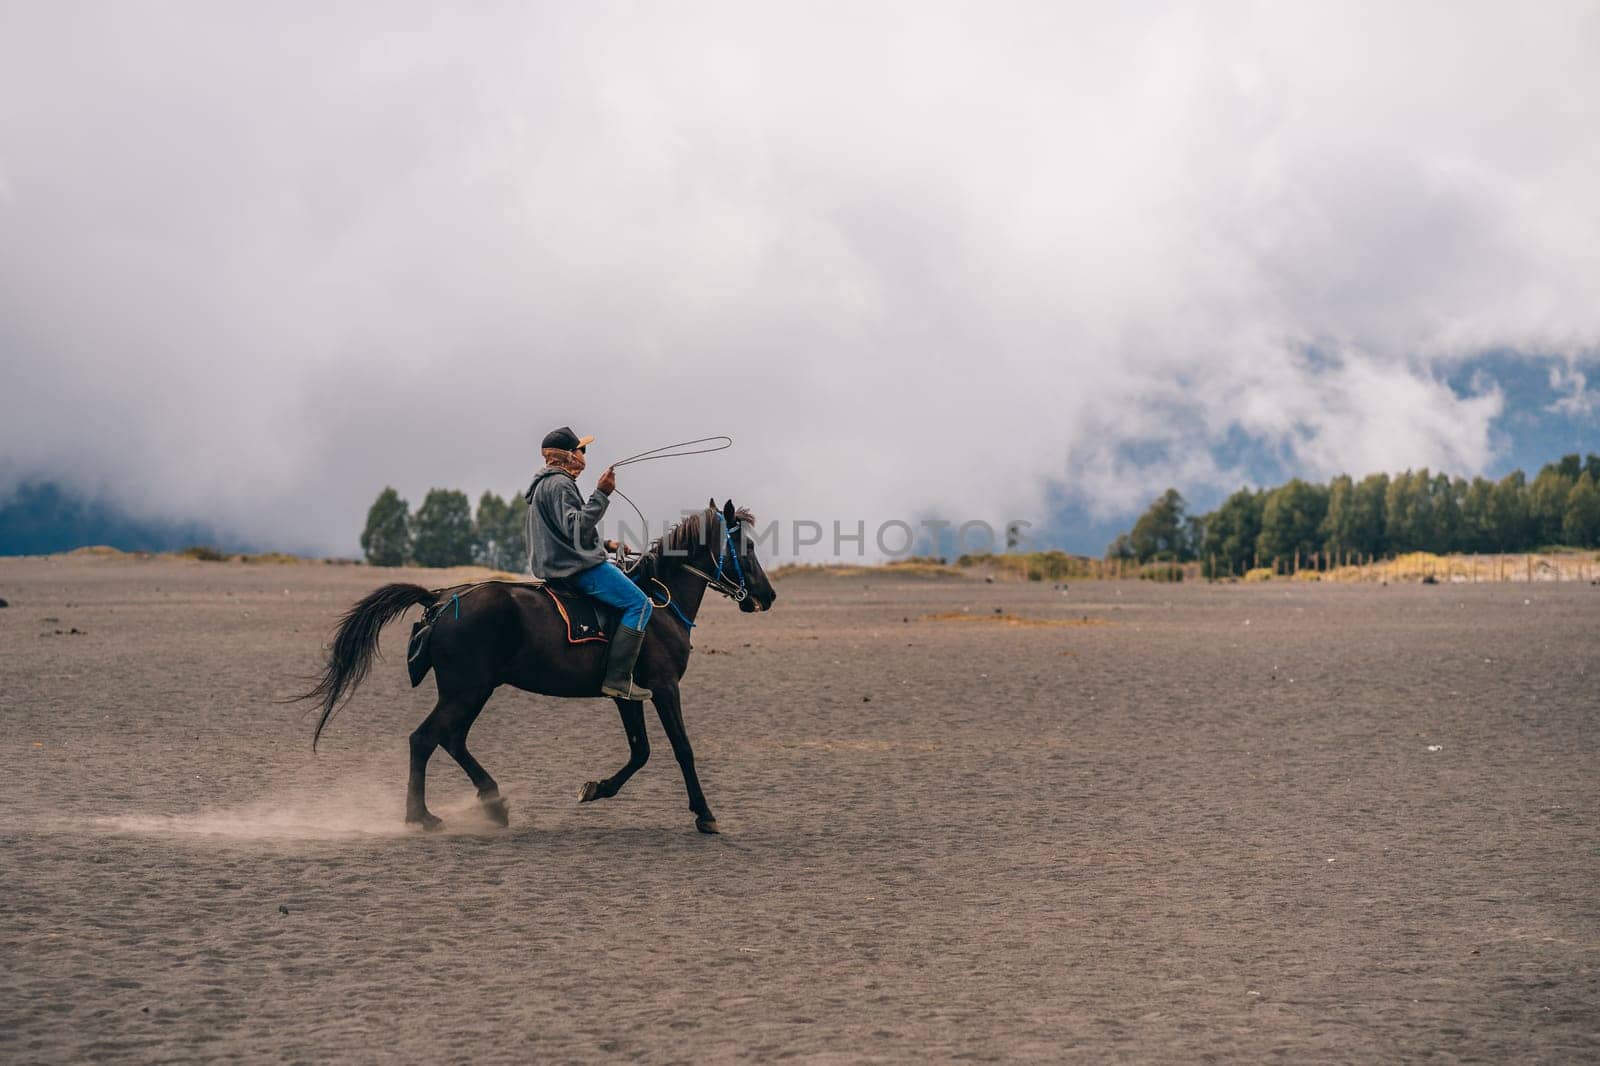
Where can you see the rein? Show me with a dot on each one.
(668, 602)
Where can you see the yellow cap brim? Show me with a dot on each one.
(584, 442)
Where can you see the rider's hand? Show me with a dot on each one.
(608, 481)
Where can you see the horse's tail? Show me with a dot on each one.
(350, 657)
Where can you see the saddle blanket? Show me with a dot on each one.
(588, 620)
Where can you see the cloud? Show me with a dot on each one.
(917, 259)
(1578, 400)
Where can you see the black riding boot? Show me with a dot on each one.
(621, 657)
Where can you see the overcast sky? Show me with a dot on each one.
(973, 260)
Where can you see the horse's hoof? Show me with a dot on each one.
(497, 810)
(427, 820)
(589, 792)
(706, 825)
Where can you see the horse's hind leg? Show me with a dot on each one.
(457, 724)
(638, 752)
(433, 731)
(424, 739)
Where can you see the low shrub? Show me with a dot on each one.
(1161, 572)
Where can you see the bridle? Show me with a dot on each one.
(737, 593)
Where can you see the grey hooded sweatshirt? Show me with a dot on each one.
(562, 538)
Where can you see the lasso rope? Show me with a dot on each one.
(669, 451)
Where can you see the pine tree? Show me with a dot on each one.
(1368, 515)
(1408, 506)
(499, 534)
(1509, 530)
(387, 538)
(1547, 501)
(1291, 520)
(1230, 533)
(1476, 529)
(1160, 532)
(514, 536)
(1338, 532)
(488, 528)
(1580, 527)
(442, 529)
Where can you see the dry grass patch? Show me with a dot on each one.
(1468, 569)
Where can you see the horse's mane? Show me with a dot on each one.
(684, 537)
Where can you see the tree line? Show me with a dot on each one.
(1377, 516)
(445, 532)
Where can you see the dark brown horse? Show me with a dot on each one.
(498, 633)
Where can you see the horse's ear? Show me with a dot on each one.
(729, 515)
(711, 504)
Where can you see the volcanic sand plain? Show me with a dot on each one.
(1175, 822)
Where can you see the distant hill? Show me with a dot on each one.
(41, 517)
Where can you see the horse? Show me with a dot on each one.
(500, 633)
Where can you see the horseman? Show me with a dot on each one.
(563, 543)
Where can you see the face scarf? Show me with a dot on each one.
(561, 459)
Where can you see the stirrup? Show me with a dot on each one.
(634, 693)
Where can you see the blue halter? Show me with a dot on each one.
(737, 593)
(729, 551)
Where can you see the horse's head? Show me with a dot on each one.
(737, 555)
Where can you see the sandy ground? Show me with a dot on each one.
(1314, 822)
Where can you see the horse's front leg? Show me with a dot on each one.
(638, 752)
(665, 697)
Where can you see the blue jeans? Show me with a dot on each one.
(611, 586)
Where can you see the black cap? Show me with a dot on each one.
(564, 439)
